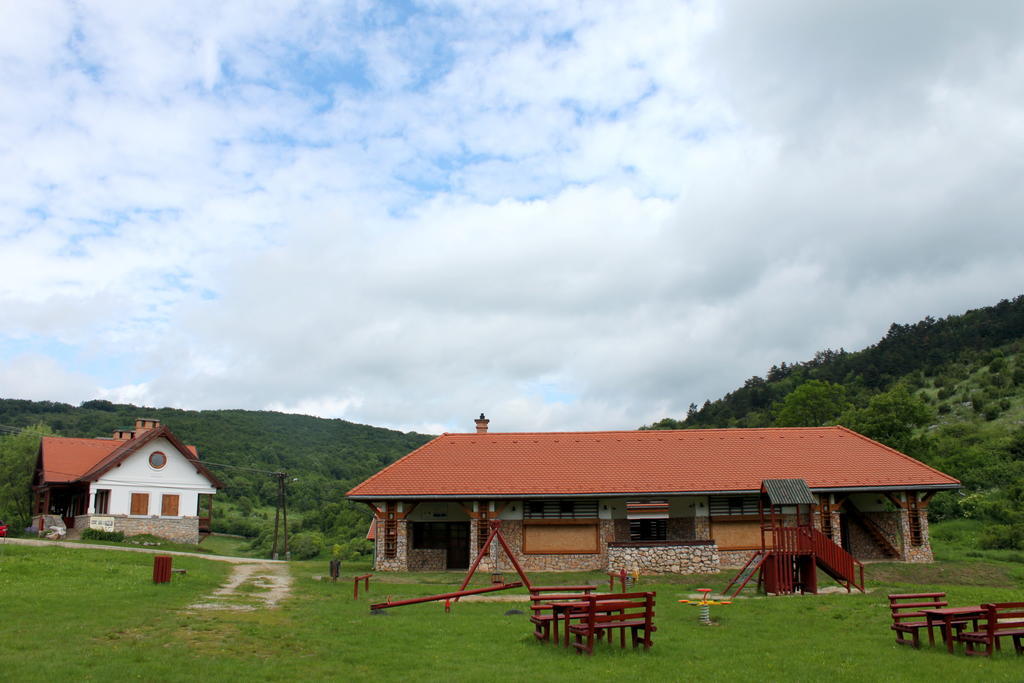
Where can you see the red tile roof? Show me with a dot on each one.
(67, 459)
(646, 462)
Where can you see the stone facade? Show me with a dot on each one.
(398, 563)
(664, 557)
(918, 553)
(734, 558)
(688, 548)
(428, 560)
(177, 529)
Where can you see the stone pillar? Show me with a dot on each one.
(398, 563)
(910, 552)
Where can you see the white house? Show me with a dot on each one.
(140, 481)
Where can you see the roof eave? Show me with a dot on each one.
(646, 494)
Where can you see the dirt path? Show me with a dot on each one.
(253, 584)
(250, 587)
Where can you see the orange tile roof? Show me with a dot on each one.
(68, 459)
(646, 462)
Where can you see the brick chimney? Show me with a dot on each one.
(481, 424)
(123, 434)
(143, 425)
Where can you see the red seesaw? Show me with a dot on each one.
(455, 595)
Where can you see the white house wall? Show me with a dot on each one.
(135, 475)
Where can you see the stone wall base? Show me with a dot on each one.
(664, 559)
(177, 529)
(734, 558)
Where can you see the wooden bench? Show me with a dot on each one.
(541, 597)
(907, 617)
(1002, 620)
(601, 614)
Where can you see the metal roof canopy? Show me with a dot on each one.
(787, 492)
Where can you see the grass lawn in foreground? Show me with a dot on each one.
(87, 614)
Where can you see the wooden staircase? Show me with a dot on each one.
(873, 531)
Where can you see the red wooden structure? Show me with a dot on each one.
(161, 568)
(792, 550)
(494, 535)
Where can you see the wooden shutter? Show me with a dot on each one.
(140, 504)
(169, 505)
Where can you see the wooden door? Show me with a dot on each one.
(457, 556)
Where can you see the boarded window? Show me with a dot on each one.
(140, 503)
(560, 538)
(102, 503)
(169, 505)
(736, 535)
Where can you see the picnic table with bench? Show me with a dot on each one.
(602, 614)
(978, 627)
(999, 620)
(912, 612)
(590, 617)
(544, 614)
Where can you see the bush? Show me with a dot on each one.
(100, 535)
(945, 392)
(1003, 537)
(306, 545)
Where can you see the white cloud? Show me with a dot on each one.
(565, 215)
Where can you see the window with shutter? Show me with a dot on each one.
(140, 504)
(169, 505)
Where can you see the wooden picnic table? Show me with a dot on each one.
(564, 610)
(947, 617)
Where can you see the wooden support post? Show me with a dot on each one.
(365, 578)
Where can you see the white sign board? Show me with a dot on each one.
(101, 523)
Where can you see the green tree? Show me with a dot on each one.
(17, 463)
(890, 418)
(812, 404)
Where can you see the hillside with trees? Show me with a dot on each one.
(323, 459)
(949, 392)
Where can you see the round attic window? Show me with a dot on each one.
(157, 460)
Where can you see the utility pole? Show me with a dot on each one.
(284, 508)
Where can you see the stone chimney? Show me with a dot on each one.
(481, 424)
(143, 425)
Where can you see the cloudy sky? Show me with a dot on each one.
(567, 215)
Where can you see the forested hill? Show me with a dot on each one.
(321, 456)
(949, 392)
(910, 351)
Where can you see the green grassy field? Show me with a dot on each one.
(91, 614)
